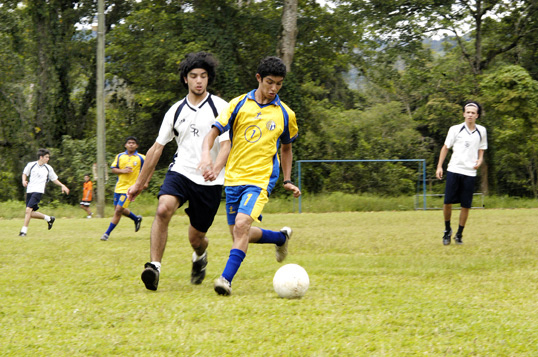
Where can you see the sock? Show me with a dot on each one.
(447, 225)
(157, 265)
(272, 237)
(460, 230)
(196, 257)
(133, 216)
(110, 228)
(47, 218)
(233, 264)
(24, 229)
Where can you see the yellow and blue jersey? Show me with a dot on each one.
(123, 160)
(256, 132)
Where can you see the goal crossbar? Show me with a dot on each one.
(422, 165)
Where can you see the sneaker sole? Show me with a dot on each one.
(221, 291)
(148, 277)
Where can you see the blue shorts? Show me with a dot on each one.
(204, 201)
(120, 199)
(246, 199)
(33, 199)
(459, 189)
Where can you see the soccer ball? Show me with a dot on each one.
(291, 281)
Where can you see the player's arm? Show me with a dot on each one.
(206, 164)
(24, 180)
(64, 187)
(480, 159)
(286, 159)
(442, 157)
(152, 159)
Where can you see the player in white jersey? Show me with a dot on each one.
(35, 177)
(188, 121)
(468, 141)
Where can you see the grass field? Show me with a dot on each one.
(382, 284)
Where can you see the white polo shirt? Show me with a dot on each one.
(191, 126)
(465, 145)
(38, 176)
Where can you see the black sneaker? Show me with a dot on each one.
(150, 276)
(198, 269)
(458, 238)
(446, 237)
(51, 222)
(138, 222)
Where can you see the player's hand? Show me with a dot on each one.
(477, 164)
(133, 192)
(65, 189)
(127, 170)
(25, 183)
(206, 167)
(291, 187)
(439, 173)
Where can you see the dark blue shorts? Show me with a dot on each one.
(33, 199)
(203, 200)
(459, 189)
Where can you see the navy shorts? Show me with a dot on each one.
(33, 199)
(203, 200)
(459, 189)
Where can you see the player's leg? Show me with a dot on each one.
(451, 189)
(128, 213)
(244, 204)
(466, 199)
(119, 201)
(279, 238)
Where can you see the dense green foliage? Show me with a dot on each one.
(367, 82)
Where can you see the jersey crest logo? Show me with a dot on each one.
(194, 130)
(271, 125)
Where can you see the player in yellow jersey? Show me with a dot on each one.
(259, 123)
(127, 166)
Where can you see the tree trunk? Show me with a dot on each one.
(288, 33)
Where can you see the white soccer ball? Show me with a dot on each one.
(291, 281)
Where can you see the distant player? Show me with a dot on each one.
(468, 142)
(258, 123)
(127, 166)
(87, 193)
(187, 121)
(35, 176)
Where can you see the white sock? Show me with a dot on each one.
(157, 265)
(24, 229)
(47, 218)
(196, 257)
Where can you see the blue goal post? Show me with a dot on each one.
(421, 167)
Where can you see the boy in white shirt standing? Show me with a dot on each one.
(468, 142)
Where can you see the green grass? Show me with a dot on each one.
(382, 284)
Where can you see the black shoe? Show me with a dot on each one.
(446, 237)
(150, 276)
(22, 234)
(198, 269)
(458, 238)
(51, 222)
(138, 222)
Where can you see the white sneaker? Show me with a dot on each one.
(89, 216)
(104, 237)
(281, 252)
(223, 286)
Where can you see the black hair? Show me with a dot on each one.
(42, 152)
(194, 60)
(131, 138)
(271, 66)
(479, 110)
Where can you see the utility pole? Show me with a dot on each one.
(101, 133)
